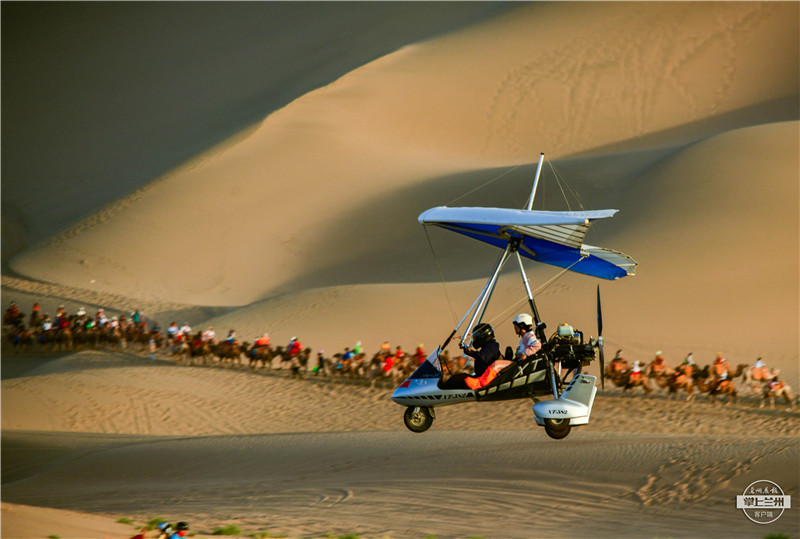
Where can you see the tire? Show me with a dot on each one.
(557, 428)
(418, 418)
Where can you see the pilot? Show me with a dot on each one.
(486, 348)
(488, 361)
(528, 343)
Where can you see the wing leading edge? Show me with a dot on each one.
(549, 237)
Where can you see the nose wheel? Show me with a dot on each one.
(418, 418)
(557, 428)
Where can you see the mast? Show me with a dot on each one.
(539, 330)
(529, 205)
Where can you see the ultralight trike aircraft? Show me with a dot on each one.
(549, 237)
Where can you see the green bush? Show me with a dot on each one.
(233, 529)
(153, 522)
(124, 520)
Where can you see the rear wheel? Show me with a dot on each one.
(418, 418)
(557, 428)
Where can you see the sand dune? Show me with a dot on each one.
(261, 167)
(259, 203)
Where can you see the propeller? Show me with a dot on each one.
(600, 341)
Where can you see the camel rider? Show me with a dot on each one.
(172, 331)
(358, 349)
(659, 365)
(294, 347)
(261, 341)
(760, 370)
(618, 364)
(687, 365)
(484, 350)
(419, 354)
(231, 338)
(210, 336)
(528, 343)
(636, 370)
(720, 371)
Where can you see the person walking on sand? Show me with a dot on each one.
(164, 530)
(181, 530)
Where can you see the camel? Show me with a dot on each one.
(682, 378)
(723, 387)
(777, 388)
(627, 381)
(263, 354)
(21, 339)
(230, 351)
(754, 378)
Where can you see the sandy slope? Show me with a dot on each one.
(260, 208)
(119, 436)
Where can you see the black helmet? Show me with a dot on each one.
(482, 334)
(182, 526)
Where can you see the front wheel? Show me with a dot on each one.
(418, 418)
(557, 428)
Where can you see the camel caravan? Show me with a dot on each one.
(717, 380)
(80, 331)
(68, 333)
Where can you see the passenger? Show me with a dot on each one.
(358, 349)
(231, 338)
(528, 343)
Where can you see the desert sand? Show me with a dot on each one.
(261, 167)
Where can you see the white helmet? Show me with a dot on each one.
(524, 319)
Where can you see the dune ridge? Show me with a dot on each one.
(263, 169)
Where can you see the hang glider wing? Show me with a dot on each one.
(549, 237)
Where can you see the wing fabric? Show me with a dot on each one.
(549, 237)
